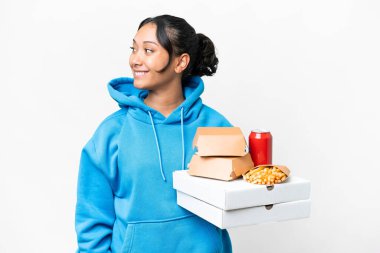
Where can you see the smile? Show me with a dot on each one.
(140, 73)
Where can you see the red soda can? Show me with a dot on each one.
(260, 147)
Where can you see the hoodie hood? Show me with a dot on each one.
(126, 95)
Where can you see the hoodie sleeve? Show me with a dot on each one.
(95, 214)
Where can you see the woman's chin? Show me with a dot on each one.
(139, 84)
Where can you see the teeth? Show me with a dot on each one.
(140, 73)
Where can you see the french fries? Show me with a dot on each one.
(266, 175)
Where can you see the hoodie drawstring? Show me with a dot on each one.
(183, 141)
(158, 145)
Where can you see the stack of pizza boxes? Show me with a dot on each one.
(213, 188)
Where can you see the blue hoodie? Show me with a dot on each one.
(125, 200)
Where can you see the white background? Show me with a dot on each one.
(306, 70)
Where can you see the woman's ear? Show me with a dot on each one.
(182, 63)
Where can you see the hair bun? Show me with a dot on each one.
(206, 62)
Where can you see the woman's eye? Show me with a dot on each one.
(133, 49)
(149, 51)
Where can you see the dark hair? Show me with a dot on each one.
(178, 37)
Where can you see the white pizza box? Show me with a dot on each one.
(236, 194)
(245, 216)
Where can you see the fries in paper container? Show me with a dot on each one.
(267, 174)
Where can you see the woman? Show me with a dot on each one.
(126, 202)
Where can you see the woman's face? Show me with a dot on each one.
(148, 57)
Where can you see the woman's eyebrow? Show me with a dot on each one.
(147, 41)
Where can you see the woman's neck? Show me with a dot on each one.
(165, 101)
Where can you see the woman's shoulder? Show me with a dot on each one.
(210, 110)
(211, 113)
(111, 125)
(114, 117)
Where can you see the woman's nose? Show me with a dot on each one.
(136, 59)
